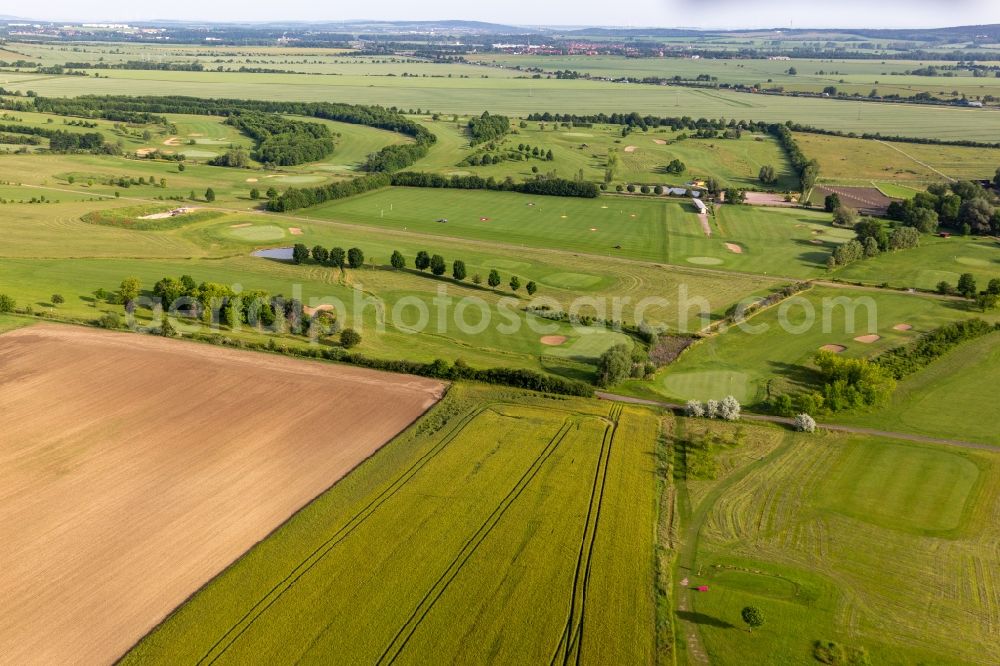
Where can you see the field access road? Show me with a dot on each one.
(826, 426)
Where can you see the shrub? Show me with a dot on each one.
(694, 408)
(110, 320)
(805, 423)
(349, 338)
(7, 304)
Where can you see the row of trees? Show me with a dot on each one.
(873, 237)
(437, 265)
(902, 361)
(336, 257)
(987, 299)
(727, 409)
(545, 185)
(807, 169)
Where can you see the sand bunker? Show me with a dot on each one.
(868, 339)
(142, 152)
(816, 241)
(240, 226)
(734, 248)
(631, 149)
(326, 307)
(295, 231)
(251, 180)
(836, 349)
(196, 134)
(172, 141)
(593, 228)
(659, 142)
(902, 327)
(170, 213)
(484, 219)
(553, 340)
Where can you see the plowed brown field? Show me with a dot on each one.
(134, 468)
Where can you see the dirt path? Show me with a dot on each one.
(914, 159)
(133, 469)
(826, 426)
(705, 226)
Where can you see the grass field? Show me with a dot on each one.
(522, 96)
(540, 548)
(136, 468)
(753, 363)
(848, 76)
(810, 529)
(861, 161)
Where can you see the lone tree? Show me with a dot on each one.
(832, 202)
(355, 258)
(129, 289)
(494, 278)
(458, 270)
(423, 261)
(349, 338)
(397, 260)
(210, 195)
(437, 265)
(7, 303)
(531, 287)
(767, 175)
(300, 253)
(57, 299)
(254, 193)
(752, 617)
(515, 283)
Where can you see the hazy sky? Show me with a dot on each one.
(665, 13)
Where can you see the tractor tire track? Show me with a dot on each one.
(572, 635)
(426, 604)
(219, 648)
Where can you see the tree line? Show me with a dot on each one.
(807, 169)
(964, 206)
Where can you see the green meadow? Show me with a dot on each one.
(812, 530)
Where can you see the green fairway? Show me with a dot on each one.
(541, 545)
(935, 260)
(777, 241)
(773, 353)
(642, 156)
(812, 531)
(971, 371)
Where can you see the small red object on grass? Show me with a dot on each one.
(703, 588)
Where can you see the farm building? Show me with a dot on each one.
(700, 205)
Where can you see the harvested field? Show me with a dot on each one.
(768, 199)
(135, 468)
(865, 200)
